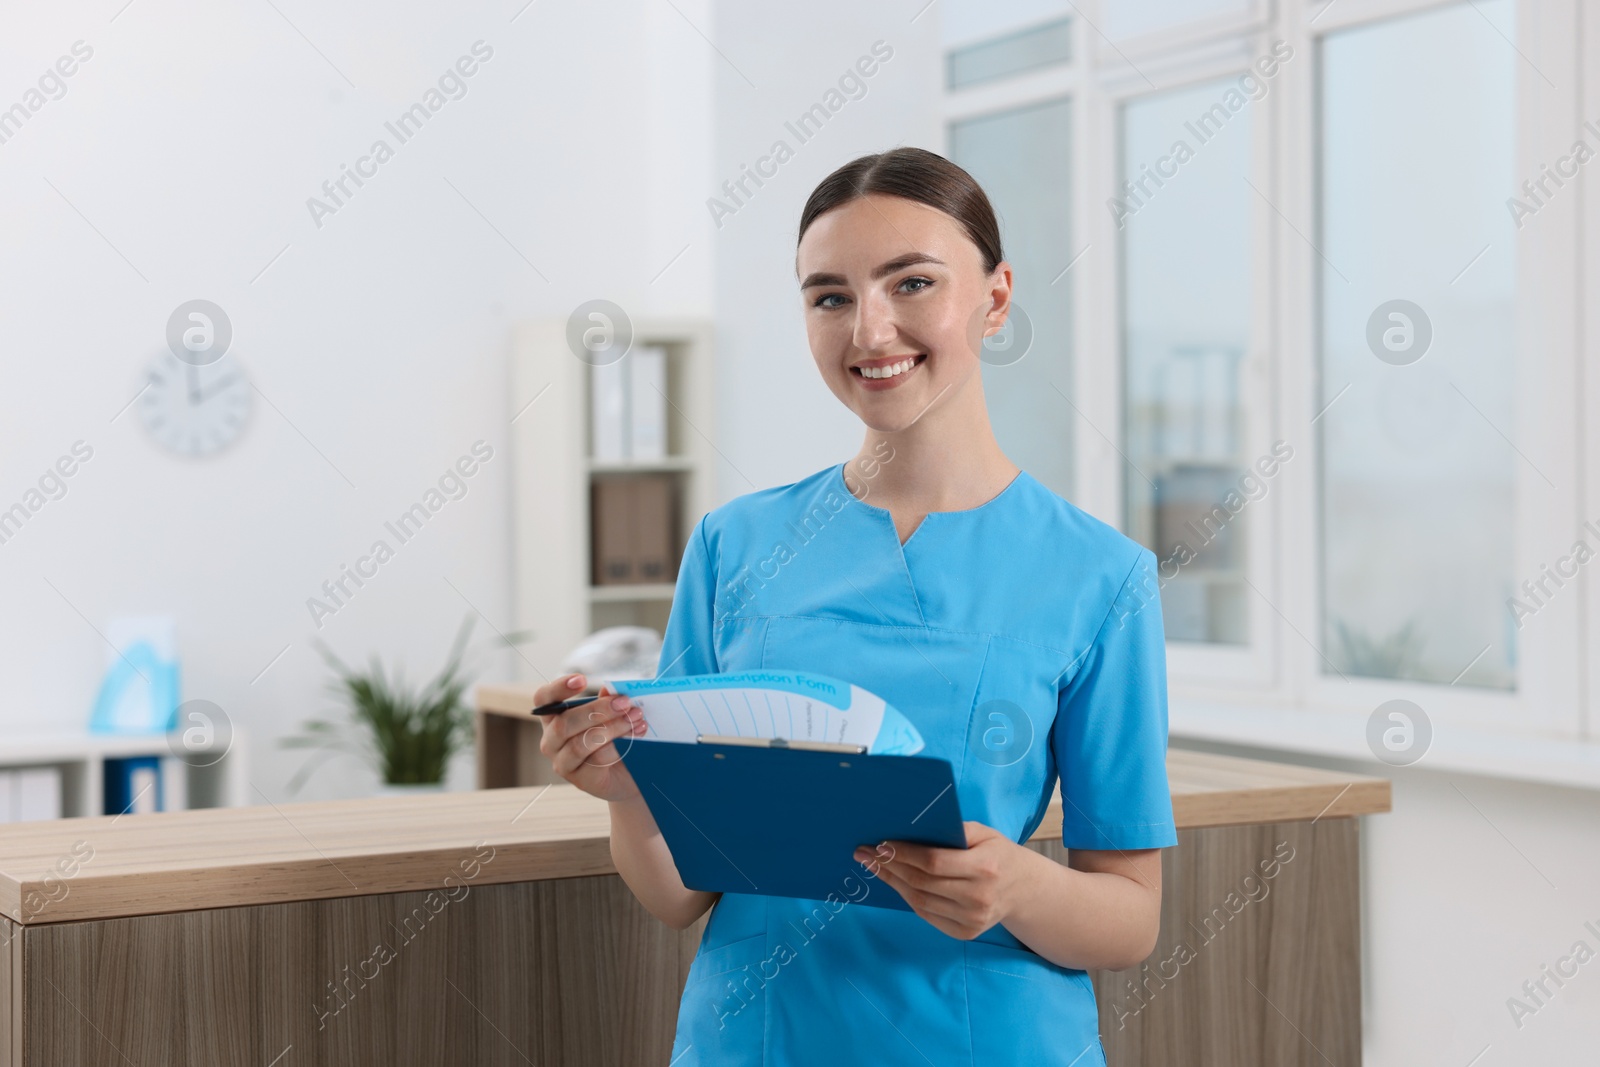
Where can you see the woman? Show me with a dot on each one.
(1022, 638)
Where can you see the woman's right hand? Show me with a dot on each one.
(579, 742)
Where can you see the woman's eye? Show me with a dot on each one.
(924, 283)
(821, 301)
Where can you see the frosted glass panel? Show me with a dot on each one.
(1417, 478)
(1186, 328)
(1130, 18)
(1022, 159)
(1038, 46)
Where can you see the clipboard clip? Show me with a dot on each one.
(779, 742)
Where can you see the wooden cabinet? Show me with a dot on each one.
(490, 928)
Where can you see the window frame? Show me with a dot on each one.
(1250, 666)
(1111, 53)
(1281, 670)
(1548, 696)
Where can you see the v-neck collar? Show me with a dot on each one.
(888, 516)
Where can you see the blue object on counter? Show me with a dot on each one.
(119, 708)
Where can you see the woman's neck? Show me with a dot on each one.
(926, 468)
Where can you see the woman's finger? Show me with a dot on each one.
(564, 688)
(575, 723)
(561, 727)
(934, 860)
(912, 880)
(928, 902)
(586, 742)
(605, 753)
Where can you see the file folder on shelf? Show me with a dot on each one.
(133, 785)
(783, 819)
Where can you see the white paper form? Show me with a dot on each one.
(793, 705)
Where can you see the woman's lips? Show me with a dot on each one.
(877, 384)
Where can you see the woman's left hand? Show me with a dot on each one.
(961, 891)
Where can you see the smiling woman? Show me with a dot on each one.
(965, 585)
(894, 347)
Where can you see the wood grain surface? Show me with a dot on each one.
(10, 994)
(571, 971)
(1249, 969)
(273, 853)
(1257, 965)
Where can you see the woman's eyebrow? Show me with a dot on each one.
(881, 271)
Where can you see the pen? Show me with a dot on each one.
(562, 705)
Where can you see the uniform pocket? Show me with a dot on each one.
(1025, 1009)
(732, 956)
(1006, 766)
(723, 1011)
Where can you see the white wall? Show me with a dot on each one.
(779, 421)
(1469, 886)
(190, 140)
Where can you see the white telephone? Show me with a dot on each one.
(617, 652)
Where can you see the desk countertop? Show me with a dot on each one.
(109, 866)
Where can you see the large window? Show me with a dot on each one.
(1183, 213)
(1418, 291)
(1308, 303)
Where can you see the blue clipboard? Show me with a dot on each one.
(781, 820)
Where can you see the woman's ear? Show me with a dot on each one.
(990, 314)
(996, 307)
(999, 284)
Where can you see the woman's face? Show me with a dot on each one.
(890, 284)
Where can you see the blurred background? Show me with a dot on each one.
(1302, 306)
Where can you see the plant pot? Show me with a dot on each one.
(410, 789)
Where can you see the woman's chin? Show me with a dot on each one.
(887, 419)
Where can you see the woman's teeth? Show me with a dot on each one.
(889, 371)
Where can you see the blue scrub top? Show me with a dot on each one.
(1023, 638)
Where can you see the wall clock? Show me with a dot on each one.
(195, 410)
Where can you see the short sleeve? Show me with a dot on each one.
(688, 647)
(1110, 734)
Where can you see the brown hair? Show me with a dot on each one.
(915, 174)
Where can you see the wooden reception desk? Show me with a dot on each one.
(490, 928)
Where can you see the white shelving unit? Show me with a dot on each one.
(552, 470)
(80, 756)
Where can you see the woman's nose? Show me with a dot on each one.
(875, 326)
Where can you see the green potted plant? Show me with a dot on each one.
(407, 735)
